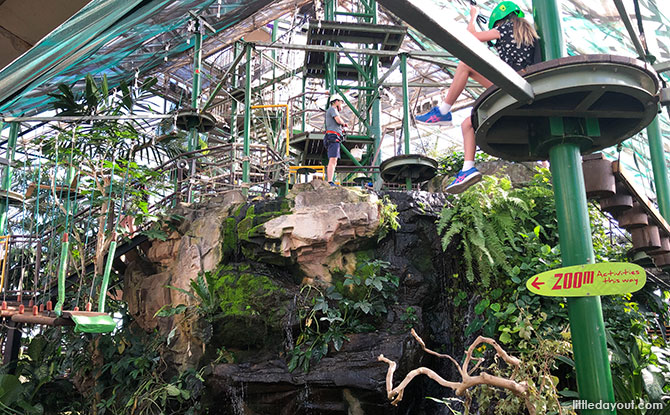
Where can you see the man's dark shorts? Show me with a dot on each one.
(332, 144)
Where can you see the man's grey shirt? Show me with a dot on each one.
(331, 124)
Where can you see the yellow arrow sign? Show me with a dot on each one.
(588, 280)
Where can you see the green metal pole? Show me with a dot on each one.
(195, 94)
(105, 276)
(547, 19)
(589, 345)
(304, 115)
(376, 100)
(233, 104)
(405, 101)
(331, 57)
(274, 59)
(247, 114)
(405, 110)
(7, 178)
(659, 167)
(594, 379)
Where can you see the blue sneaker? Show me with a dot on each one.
(463, 180)
(434, 116)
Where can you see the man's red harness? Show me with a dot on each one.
(339, 136)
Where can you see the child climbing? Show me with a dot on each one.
(516, 45)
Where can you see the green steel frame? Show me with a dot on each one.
(368, 112)
(7, 177)
(594, 379)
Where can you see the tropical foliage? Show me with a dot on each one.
(509, 234)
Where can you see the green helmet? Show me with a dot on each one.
(502, 10)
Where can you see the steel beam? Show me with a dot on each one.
(216, 90)
(629, 27)
(662, 67)
(359, 51)
(73, 118)
(247, 113)
(422, 15)
(7, 177)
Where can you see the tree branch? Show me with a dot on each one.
(460, 388)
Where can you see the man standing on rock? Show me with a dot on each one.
(334, 135)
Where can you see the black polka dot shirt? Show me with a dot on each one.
(517, 58)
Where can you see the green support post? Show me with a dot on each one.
(376, 125)
(405, 110)
(247, 113)
(7, 177)
(303, 120)
(594, 379)
(547, 19)
(659, 167)
(274, 59)
(195, 94)
(233, 104)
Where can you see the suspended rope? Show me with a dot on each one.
(36, 216)
(104, 226)
(87, 233)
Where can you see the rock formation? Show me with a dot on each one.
(256, 257)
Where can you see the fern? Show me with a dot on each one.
(453, 230)
(492, 218)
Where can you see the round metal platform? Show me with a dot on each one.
(416, 167)
(192, 118)
(596, 101)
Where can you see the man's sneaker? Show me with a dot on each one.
(434, 116)
(463, 180)
(333, 184)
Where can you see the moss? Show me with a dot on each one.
(229, 246)
(252, 307)
(243, 294)
(364, 256)
(286, 205)
(238, 210)
(256, 231)
(244, 227)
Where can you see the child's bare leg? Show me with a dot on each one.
(468, 140)
(463, 72)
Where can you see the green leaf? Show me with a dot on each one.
(482, 306)
(474, 326)
(181, 290)
(565, 360)
(172, 390)
(566, 393)
(126, 97)
(495, 307)
(169, 311)
(505, 337)
(10, 389)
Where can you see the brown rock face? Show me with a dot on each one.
(178, 260)
(323, 221)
